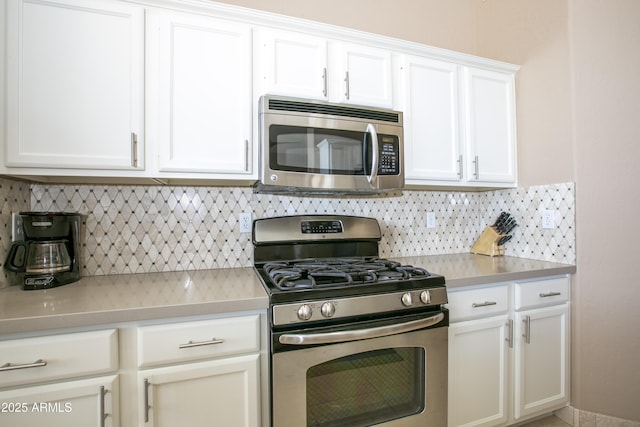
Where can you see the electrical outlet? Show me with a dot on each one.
(549, 218)
(245, 222)
(431, 220)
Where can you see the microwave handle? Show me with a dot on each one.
(371, 130)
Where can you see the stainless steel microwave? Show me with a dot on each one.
(311, 146)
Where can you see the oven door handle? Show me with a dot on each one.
(360, 334)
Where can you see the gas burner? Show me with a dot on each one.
(337, 272)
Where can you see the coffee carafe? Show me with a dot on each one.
(48, 255)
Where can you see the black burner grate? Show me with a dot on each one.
(337, 272)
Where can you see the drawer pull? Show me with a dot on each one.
(550, 294)
(527, 329)
(147, 406)
(509, 338)
(483, 304)
(103, 412)
(200, 343)
(9, 367)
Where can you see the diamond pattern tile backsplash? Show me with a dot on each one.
(139, 229)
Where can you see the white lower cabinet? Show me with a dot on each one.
(90, 402)
(219, 392)
(60, 380)
(542, 360)
(197, 373)
(478, 361)
(508, 352)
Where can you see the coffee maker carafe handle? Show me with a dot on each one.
(17, 257)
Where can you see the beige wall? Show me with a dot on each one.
(605, 46)
(445, 24)
(535, 35)
(578, 120)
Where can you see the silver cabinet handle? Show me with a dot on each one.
(527, 329)
(103, 413)
(324, 82)
(550, 294)
(134, 149)
(375, 161)
(460, 166)
(483, 304)
(11, 367)
(246, 155)
(200, 343)
(510, 333)
(346, 81)
(476, 168)
(359, 334)
(146, 400)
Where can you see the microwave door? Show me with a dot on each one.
(310, 150)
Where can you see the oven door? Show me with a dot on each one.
(390, 374)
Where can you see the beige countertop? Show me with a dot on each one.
(462, 270)
(101, 300)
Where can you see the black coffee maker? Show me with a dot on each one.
(48, 255)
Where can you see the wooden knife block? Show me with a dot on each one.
(487, 243)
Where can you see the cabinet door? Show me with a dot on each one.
(223, 392)
(200, 83)
(490, 126)
(431, 125)
(74, 84)
(91, 402)
(478, 367)
(362, 75)
(293, 64)
(541, 360)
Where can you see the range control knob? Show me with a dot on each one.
(407, 300)
(304, 312)
(328, 309)
(425, 297)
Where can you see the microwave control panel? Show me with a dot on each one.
(389, 155)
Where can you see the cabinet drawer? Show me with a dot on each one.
(55, 357)
(541, 293)
(180, 342)
(476, 303)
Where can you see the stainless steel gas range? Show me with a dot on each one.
(355, 340)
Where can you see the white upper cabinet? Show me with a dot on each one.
(459, 124)
(167, 90)
(307, 66)
(431, 123)
(489, 118)
(363, 75)
(291, 64)
(75, 84)
(199, 93)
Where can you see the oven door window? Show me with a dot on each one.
(312, 150)
(366, 388)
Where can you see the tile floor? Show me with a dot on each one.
(547, 422)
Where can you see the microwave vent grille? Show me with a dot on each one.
(334, 110)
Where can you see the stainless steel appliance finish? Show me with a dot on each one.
(355, 340)
(314, 146)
